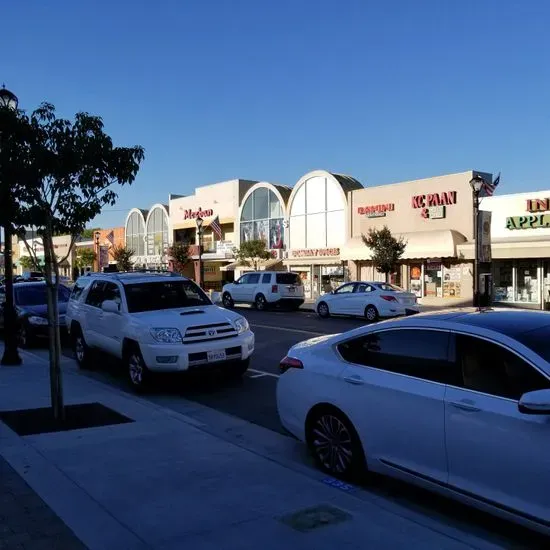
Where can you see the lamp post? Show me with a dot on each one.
(200, 221)
(96, 236)
(8, 101)
(476, 183)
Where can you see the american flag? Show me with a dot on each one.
(216, 227)
(487, 189)
(111, 237)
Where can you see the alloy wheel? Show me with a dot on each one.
(79, 349)
(371, 314)
(260, 303)
(332, 444)
(135, 369)
(227, 301)
(323, 310)
(23, 337)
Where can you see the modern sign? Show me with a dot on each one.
(533, 221)
(315, 252)
(538, 205)
(376, 211)
(433, 205)
(190, 214)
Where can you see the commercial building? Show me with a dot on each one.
(62, 249)
(434, 216)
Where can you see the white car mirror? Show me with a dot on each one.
(535, 402)
(110, 306)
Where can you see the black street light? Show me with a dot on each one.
(200, 221)
(96, 245)
(8, 100)
(476, 183)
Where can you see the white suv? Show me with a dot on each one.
(264, 289)
(155, 322)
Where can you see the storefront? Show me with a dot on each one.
(62, 249)
(218, 206)
(318, 226)
(434, 217)
(520, 244)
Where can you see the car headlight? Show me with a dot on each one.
(166, 335)
(34, 320)
(241, 324)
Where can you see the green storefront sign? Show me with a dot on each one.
(532, 221)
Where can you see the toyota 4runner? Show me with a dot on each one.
(155, 323)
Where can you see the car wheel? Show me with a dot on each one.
(138, 373)
(323, 310)
(24, 337)
(81, 350)
(238, 369)
(227, 301)
(371, 314)
(335, 445)
(260, 302)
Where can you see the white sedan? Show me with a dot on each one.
(369, 299)
(456, 402)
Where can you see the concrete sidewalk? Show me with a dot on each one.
(166, 482)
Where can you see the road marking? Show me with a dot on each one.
(271, 327)
(260, 373)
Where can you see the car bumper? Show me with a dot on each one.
(400, 310)
(187, 357)
(287, 301)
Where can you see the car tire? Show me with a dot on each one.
(323, 311)
(138, 373)
(227, 301)
(81, 349)
(25, 339)
(335, 445)
(260, 302)
(371, 314)
(238, 369)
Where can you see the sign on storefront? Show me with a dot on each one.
(376, 211)
(533, 221)
(190, 214)
(315, 252)
(433, 205)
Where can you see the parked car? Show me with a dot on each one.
(371, 300)
(155, 323)
(456, 402)
(265, 289)
(31, 306)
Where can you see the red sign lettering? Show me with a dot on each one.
(390, 207)
(192, 214)
(306, 252)
(538, 205)
(433, 199)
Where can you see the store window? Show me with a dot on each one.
(157, 232)
(517, 281)
(135, 232)
(262, 218)
(416, 280)
(433, 276)
(503, 278)
(527, 281)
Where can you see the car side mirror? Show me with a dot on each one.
(236, 283)
(535, 402)
(110, 306)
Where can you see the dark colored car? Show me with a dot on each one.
(32, 310)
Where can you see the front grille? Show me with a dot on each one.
(209, 333)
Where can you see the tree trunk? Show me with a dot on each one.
(387, 277)
(52, 285)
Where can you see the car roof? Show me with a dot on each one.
(136, 277)
(510, 322)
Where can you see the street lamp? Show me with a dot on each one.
(476, 183)
(8, 101)
(200, 221)
(96, 236)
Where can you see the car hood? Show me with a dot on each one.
(41, 310)
(183, 318)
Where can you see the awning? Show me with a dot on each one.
(505, 249)
(274, 265)
(421, 244)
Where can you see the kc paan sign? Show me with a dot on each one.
(433, 205)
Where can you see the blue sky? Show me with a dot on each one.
(268, 90)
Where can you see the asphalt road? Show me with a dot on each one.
(253, 399)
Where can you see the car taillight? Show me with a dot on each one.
(290, 363)
(274, 288)
(388, 298)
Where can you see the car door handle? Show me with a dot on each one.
(464, 406)
(356, 380)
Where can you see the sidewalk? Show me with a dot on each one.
(166, 482)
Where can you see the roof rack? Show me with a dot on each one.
(116, 274)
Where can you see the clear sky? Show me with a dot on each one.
(270, 89)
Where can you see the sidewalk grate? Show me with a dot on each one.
(309, 519)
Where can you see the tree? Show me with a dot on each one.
(386, 250)
(179, 254)
(85, 257)
(27, 263)
(88, 234)
(123, 257)
(71, 169)
(251, 253)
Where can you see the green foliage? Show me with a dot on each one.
(85, 257)
(251, 253)
(386, 250)
(27, 263)
(123, 257)
(88, 234)
(179, 254)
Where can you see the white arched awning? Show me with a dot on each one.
(420, 245)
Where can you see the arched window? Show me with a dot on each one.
(135, 231)
(262, 218)
(157, 232)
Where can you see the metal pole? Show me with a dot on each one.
(476, 249)
(201, 267)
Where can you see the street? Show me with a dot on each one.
(253, 399)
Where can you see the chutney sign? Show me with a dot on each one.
(433, 205)
(376, 211)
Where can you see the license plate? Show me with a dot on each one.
(291, 289)
(214, 356)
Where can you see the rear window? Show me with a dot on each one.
(387, 287)
(288, 279)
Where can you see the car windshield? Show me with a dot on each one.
(164, 295)
(288, 279)
(388, 287)
(36, 295)
(537, 340)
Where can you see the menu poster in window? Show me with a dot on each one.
(451, 289)
(416, 287)
(431, 289)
